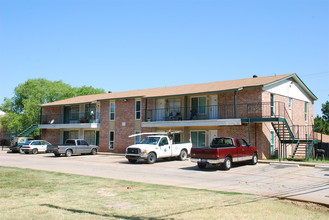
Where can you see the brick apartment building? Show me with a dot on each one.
(274, 113)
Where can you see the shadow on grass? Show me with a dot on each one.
(96, 214)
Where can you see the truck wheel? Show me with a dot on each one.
(227, 163)
(133, 161)
(34, 151)
(151, 158)
(57, 155)
(68, 153)
(93, 152)
(202, 165)
(183, 155)
(254, 159)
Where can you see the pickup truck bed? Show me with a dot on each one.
(224, 151)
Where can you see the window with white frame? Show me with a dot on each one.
(138, 110)
(290, 103)
(111, 140)
(112, 111)
(306, 111)
(137, 138)
(272, 143)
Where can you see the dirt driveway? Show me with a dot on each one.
(300, 183)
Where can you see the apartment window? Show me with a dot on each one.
(138, 110)
(290, 103)
(306, 111)
(199, 105)
(272, 144)
(272, 105)
(137, 138)
(111, 142)
(198, 138)
(112, 110)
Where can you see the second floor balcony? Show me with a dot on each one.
(89, 119)
(213, 112)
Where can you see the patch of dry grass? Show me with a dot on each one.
(31, 194)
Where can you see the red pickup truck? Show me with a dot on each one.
(223, 151)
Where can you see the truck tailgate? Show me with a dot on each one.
(52, 148)
(204, 153)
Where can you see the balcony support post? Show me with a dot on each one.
(234, 104)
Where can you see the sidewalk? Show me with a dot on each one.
(296, 163)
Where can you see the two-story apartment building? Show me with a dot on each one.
(274, 113)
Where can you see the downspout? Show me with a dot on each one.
(235, 102)
(145, 113)
(249, 131)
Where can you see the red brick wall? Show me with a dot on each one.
(105, 126)
(125, 124)
(51, 135)
(52, 113)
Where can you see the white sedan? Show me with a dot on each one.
(35, 146)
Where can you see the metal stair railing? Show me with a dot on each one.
(28, 131)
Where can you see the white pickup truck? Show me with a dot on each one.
(157, 145)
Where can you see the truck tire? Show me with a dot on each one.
(93, 151)
(34, 151)
(227, 163)
(183, 155)
(202, 165)
(68, 153)
(254, 159)
(151, 158)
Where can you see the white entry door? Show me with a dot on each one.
(213, 108)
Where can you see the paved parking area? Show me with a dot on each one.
(300, 183)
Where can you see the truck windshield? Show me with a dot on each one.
(150, 140)
(221, 142)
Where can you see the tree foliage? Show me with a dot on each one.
(321, 124)
(23, 108)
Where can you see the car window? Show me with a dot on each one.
(221, 142)
(70, 142)
(83, 142)
(244, 143)
(35, 143)
(164, 141)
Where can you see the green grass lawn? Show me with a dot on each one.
(32, 194)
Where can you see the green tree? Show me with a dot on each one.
(23, 109)
(321, 124)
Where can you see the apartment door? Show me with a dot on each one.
(213, 108)
(160, 110)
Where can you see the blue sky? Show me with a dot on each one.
(121, 45)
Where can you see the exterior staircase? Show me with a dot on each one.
(27, 131)
(302, 147)
(283, 130)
